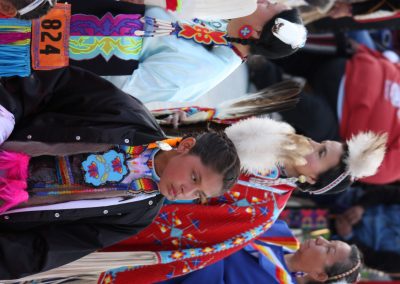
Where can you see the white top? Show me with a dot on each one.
(174, 69)
(7, 123)
(211, 9)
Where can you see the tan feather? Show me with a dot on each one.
(277, 97)
(366, 153)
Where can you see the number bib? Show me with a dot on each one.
(50, 39)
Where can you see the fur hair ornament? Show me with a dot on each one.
(366, 153)
(290, 33)
(262, 142)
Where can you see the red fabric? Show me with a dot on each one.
(242, 210)
(3, 16)
(171, 4)
(372, 102)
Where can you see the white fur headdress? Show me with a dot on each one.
(262, 142)
(366, 153)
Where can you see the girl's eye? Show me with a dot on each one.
(194, 178)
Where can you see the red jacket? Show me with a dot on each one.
(372, 102)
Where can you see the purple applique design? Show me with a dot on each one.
(108, 25)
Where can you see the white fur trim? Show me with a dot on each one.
(290, 33)
(366, 153)
(259, 142)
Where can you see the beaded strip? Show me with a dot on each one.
(344, 274)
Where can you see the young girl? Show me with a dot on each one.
(277, 257)
(65, 207)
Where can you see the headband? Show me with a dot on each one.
(344, 274)
(290, 33)
(333, 184)
(32, 6)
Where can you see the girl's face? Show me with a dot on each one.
(185, 177)
(315, 255)
(265, 11)
(325, 155)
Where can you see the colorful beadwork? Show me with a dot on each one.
(245, 31)
(126, 168)
(141, 185)
(63, 170)
(202, 35)
(199, 33)
(102, 168)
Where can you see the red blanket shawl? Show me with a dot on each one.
(187, 237)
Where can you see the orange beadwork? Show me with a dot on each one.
(202, 34)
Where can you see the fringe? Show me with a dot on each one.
(15, 58)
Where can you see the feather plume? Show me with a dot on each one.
(277, 97)
(262, 142)
(366, 153)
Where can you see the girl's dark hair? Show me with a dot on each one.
(329, 176)
(346, 270)
(40, 11)
(217, 151)
(269, 45)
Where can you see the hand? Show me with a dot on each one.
(340, 10)
(176, 118)
(354, 214)
(343, 228)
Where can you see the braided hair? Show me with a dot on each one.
(218, 152)
(268, 44)
(40, 11)
(347, 271)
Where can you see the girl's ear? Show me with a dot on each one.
(7, 9)
(186, 144)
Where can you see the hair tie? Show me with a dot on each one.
(290, 33)
(333, 184)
